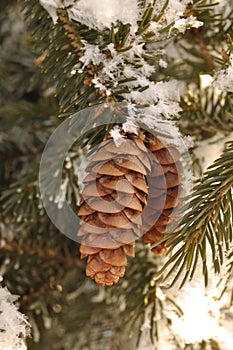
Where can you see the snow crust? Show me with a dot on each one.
(224, 78)
(14, 326)
(97, 14)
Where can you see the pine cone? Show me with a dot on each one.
(164, 184)
(112, 201)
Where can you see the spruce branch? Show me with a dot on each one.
(79, 82)
(206, 224)
(202, 49)
(205, 113)
(70, 31)
(61, 47)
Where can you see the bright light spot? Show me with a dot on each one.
(201, 318)
(205, 80)
(23, 347)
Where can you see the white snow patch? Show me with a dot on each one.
(162, 63)
(130, 126)
(51, 6)
(179, 5)
(205, 315)
(97, 14)
(224, 78)
(200, 320)
(13, 324)
(117, 135)
(99, 85)
(164, 94)
(91, 54)
(174, 10)
(184, 23)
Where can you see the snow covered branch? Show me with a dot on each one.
(13, 325)
(125, 69)
(224, 77)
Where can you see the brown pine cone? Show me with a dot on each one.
(114, 196)
(164, 182)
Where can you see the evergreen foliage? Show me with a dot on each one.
(39, 263)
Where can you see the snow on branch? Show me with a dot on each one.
(183, 23)
(152, 118)
(92, 54)
(121, 66)
(13, 325)
(117, 136)
(224, 78)
(125, 69)
(101, 14)
(97, 14)
(157, 92)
